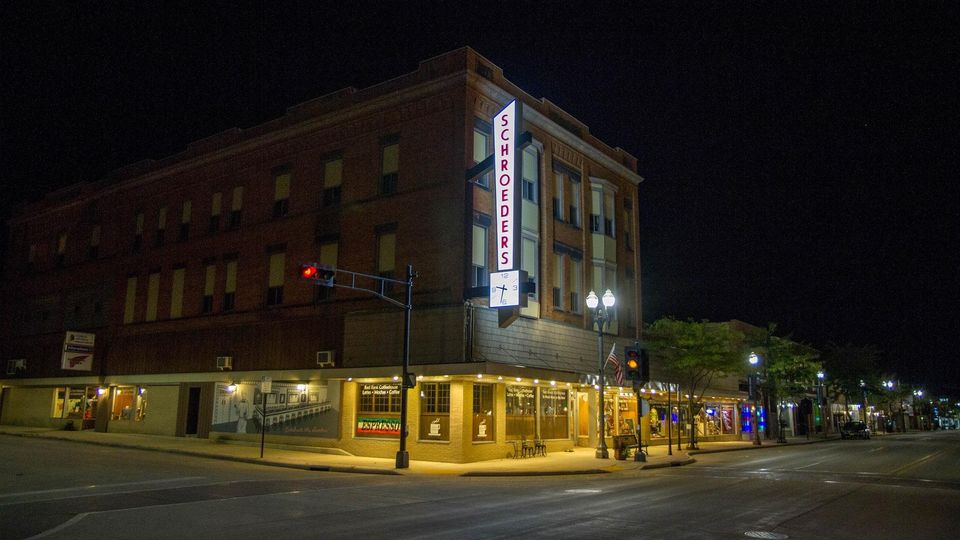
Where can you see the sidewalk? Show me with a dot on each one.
(578, 461)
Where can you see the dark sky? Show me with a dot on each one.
(800, 165)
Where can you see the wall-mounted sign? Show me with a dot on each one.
(78, 351)
(373, 426)
(505, 167)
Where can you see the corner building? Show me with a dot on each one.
(184, 273)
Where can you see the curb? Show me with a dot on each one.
(664, 465)
(533, 473)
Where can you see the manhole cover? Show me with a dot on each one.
(765, 534)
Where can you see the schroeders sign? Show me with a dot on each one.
(505, 169)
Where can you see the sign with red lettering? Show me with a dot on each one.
(505, 182)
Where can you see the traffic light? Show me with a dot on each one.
(638, 366)
(322, 274)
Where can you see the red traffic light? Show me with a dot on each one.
(308, 271)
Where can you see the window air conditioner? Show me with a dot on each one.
(16, 366)
(325, 358)
(224, 363)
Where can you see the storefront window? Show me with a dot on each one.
(626, 413)
(129, 403)
(484, 416)
(608, 413)
(554, 414)
(520, 412)
(75, 402)
(435, 411)
(378, 410)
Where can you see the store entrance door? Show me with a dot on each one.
(193, 412)
(583, 419)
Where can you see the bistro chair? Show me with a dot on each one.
(527, 447)
(540, 448)
(516, 449)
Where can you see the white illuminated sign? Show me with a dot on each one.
(504, 167)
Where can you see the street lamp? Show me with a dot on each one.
(601, 316)
(754, 361)
(919, 417)
(823, 419)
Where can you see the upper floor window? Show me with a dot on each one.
(236, 207)
(480, 271)
(209, 280)
(576, 285)
(602, 217)
(530, 261)
(390, 166)
(230, 286)
(215, 207)
(531, 174)
(138, 233)
(329, 252)
(277, 263)
(332, 180)
(481, 147)
(567, 203)
(161, 227)
(558, 282)
(176, 293)
(185, 214)
(94, 248)
(130, 301)
(153, 295)
(281, 192)
(61, 249)
(628, 225)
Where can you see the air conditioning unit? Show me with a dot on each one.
(224, 363)
(16, 366)
(325, 358)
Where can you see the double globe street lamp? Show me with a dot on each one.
(754, 361)
(601, 316)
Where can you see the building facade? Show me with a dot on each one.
(158, 299)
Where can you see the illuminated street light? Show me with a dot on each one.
(601, 316)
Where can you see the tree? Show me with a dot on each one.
(852, 370)
(695, 353)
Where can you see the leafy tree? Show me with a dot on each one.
(695, 353)
(851, 370)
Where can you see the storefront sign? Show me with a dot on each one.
(78, 351)
(505, 181)
(482, 429)
(380, 390)
(367, 426)
(520, 392)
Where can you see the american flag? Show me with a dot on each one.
(617, 365)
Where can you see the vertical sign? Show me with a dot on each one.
(505, 166)
(78, 350)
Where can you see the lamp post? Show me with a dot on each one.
(754, 361)
(917, 394)
(601, 316)
(823, 419)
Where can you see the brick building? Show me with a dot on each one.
(184, 273)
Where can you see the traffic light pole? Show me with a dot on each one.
(403, 457)
(325, 276)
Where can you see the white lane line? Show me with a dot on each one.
(99, 486)
(69, 523)
(810, 465)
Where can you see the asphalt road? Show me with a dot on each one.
(903, 486)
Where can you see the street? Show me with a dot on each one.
(894, 486)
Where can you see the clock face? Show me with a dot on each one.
(505, 289)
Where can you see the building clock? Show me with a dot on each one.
(505, 288)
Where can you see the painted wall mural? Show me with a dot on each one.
(310, 410)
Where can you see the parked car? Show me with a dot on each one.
(854, 430)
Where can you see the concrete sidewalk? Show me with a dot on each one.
(577, 461)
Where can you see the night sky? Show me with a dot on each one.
(800, 165)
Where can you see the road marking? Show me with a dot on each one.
(69, 523)
(99, 486)
(583, 491)
(917, 462)
(810, 465)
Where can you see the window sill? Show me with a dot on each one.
(432, 441)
